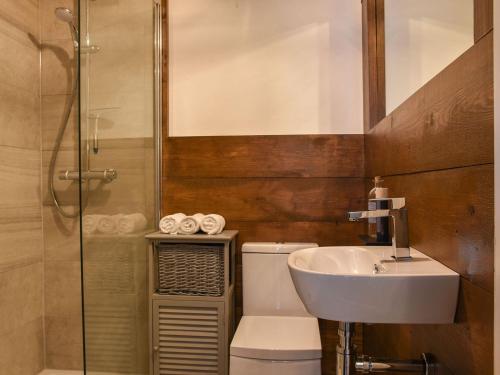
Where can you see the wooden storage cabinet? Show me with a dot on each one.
(191, 334)
(188, 337)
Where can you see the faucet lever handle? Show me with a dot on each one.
(397, 203)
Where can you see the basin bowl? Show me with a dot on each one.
(366, 285)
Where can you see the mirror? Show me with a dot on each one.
(422, 37)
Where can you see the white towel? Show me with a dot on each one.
(213, 224)
(133, 223)
(90, 223)
(170, 224)
(191, 224)
(108, 224)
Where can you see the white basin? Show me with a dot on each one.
(340, 283)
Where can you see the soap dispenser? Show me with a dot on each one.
(378, 228)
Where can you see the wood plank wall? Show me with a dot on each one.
(483, 18)
(373, 38)
(436, 149)
(271, 188)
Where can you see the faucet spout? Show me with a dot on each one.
(360, 215)
(399, 215)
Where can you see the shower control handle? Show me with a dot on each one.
(106, 175)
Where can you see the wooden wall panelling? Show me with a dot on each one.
(483, 18)
(451, 218)
(265, 156)
(373, 36)
(446, 124)
(465, 348)
(373, 62)
(436, 149)
(272, 188)
(267, 199)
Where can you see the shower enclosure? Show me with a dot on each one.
(113, 169)
(117, 184)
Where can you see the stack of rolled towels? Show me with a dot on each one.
(182, 224)
(114, 224)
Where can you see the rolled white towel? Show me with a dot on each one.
(213, 224)
(133, 223)
(191, 224)
(108, 224)
(170, 224)
(90, 223)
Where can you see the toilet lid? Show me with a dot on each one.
(277, 338)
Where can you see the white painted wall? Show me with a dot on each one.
(245, 67)
(422, 37)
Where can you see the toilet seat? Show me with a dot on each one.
(279, 338)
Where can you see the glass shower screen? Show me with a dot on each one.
(117, 181)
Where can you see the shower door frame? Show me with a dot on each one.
(160, 96)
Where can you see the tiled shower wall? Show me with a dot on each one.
(63, 332)
(21, 250)
(119, 82)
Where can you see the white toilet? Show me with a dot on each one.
(276, 334)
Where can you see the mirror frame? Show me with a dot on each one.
(374, 94)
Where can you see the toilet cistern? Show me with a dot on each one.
(399, 215)
(276, 334)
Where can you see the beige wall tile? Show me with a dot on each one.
(67, 191)
(22, 296)
(21, 350)
(19, 61)
(21, 239)
(121, 71)
(20, 215)
(53, 112)
(58, 67)
(126, 194)
(64, 343)
(62, 288)
(19, 116)
(61, 236)
(122, 154)
(20, 187)
(16, 31)
(21, 14)
(15, 252)
(123, 195)
(52, 28)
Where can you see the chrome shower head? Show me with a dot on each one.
(65, 15)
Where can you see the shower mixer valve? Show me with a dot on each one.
(105, 175)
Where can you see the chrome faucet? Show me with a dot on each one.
(399, 215)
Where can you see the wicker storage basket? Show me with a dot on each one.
(190, 270)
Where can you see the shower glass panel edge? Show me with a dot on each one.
(118, 158)
(77, 6)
